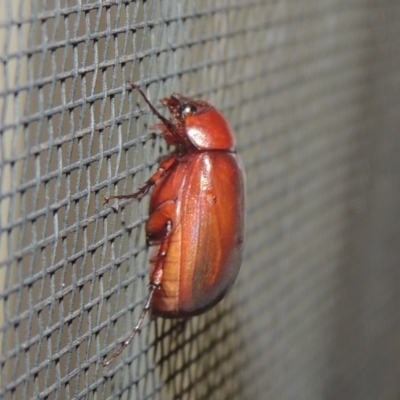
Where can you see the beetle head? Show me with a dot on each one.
(199, 123)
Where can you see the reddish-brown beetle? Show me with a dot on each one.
(196, 214)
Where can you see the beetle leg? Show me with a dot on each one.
(167, 135)
(168, 124)
(165, 166)
(136, 329)
(155, 281)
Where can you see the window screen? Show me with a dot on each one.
(311, 89)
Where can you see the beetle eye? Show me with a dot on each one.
(189, 109)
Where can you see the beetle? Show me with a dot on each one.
(196, 212)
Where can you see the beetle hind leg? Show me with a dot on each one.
(135, 330)
(159, 228)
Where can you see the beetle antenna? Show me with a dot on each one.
(136, 329)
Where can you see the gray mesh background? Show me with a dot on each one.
(312, 90)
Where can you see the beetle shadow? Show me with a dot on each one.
(201, 357)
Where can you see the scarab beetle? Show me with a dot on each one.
(196, 212)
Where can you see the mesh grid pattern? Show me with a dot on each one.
(311, 89)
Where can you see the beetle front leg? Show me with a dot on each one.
(165, 166)
(159, 229)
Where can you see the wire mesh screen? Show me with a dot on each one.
(311, 89)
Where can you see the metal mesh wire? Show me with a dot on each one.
(311, 89)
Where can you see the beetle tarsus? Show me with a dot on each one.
(134, 196)
(135, 330)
